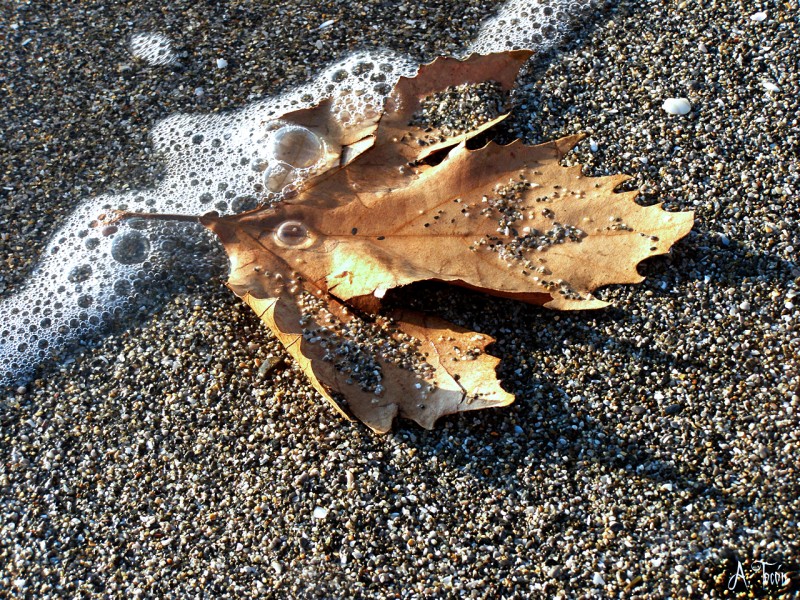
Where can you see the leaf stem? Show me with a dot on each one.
(119, 215)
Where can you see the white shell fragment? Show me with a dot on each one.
(677, 106)
(320, 512)
(758, 16)
(769, 86)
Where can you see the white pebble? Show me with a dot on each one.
(677, 106)
(769, 86)
(593, 146)
(598, 579)
(320, 512)
(221, 63)
(758, 16)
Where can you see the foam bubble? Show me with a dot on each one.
(93, 275)
(130, 248)
(530, 24)
(152, 47)
(280, 177)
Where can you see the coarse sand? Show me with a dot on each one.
(652, 450)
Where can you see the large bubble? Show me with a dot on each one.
(130, 248)
(296, 146)
(293, 234)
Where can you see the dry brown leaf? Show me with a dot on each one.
(507, 220)
(413, 365)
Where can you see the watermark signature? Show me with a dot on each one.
(770, 575)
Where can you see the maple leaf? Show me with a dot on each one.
(397, 199)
